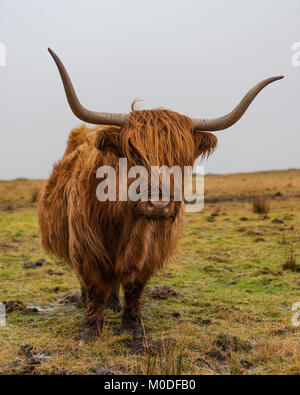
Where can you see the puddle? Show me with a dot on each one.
(40, 309)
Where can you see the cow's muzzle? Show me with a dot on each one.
(154, 209)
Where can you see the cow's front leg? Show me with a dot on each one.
(131, 320)
(96, 303)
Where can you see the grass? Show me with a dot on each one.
(261, 205)
(232, 314)
(290, 263)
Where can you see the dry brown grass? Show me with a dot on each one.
(19, 193)
(286, 182)
(34, 195)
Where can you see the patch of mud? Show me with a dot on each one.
(160, 292)
(29, 360)
(14, 305)
(277, 221)
(227, 343)
(222, 348)
(34, 265)
(286, 229)
(284, 331)
(142, 345)
(28, 351)
(217, 355)
(72, 297)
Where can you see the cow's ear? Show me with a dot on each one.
(108, 139)
(205, 143)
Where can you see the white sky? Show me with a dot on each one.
(195, 57)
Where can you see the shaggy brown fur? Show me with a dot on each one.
(105, 242)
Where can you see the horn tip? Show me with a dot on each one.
(52, 53)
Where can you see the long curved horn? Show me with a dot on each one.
(97, 118)
(230, 119)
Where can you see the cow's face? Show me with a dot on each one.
(154, 139)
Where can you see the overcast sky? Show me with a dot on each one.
(195, 57)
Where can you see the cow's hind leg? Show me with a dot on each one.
(113, 302)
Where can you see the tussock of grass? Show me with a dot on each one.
(261, 205)
(290, 263)
(34, 195)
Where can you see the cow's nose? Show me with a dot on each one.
(158, 208)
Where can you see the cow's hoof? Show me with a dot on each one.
(90, 333)
(131, 326)
(114, 304)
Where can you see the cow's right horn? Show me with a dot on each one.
(210, 125)
(97, 118)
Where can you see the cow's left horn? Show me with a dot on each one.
(97, 118)
(230, 119)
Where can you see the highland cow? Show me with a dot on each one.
(112, 244)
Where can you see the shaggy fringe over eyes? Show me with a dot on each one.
(158, 137)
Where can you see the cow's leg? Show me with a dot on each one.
(131, 320)
(83, 297)
(96, 302)
(113, 302)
